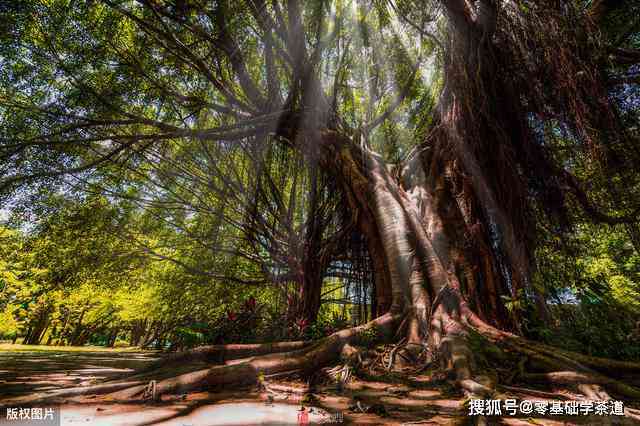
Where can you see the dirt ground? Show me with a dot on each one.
(36, 369)
(386, 399)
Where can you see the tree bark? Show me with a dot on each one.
(310, 293)
(77, 330)
(112, 337)
(137, 331)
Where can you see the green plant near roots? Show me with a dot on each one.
(121, 344)
(189, 337)
(309, 399)
(478, 344)
(598, 329)
(327, 323)
(315, 331)
(369, 337)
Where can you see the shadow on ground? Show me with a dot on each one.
(25, 372)
(375, 400)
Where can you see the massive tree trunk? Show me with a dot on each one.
(447, 234)
(436, 230)
(411, 228)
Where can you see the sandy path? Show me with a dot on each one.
(26, 371)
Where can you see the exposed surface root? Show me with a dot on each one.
(551, 360)
(218, 354)
(476, 358)
(534, 392)
(563, 367)
(252, 370)
(469, 350)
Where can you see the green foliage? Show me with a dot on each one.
(326, 324)
(137, 103)
(598, 329)
(84, 273)
(369, 337)
(189, 337)
(8, 324)
(593, 284)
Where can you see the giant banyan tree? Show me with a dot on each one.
(296, 113)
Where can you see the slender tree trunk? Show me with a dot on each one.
(112, 337)
(137, 331)
(51, 335)
(154, 333)
(27, 335)
(45, 327)
(314, 262)
(151, 334)
(64, 330)
(310, 294)
(39, 328)
(77, 329)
